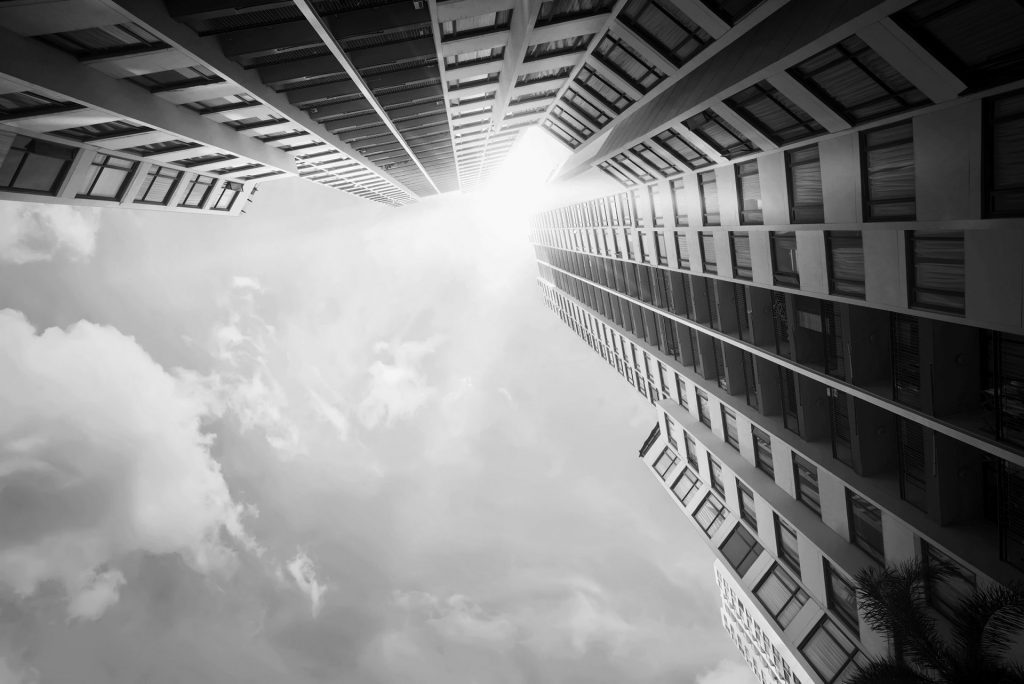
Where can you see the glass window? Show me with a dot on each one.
(576, 125)
(716, 132)
(865, 525)
(198, 189)
(774, 114)
(710, 515)
(857, 83)
(763, 451)
(35, 166)
(715, 468)
(591, 81)
(748, 512)
(677, 188)
(678, 147)
(685, 488)
(660, 161)
(946, 594)
(588, 110)
(832, 654)
(785, 537)
(107, 177)
(681, 392)
(474, 26)
(842, 597)
(979, 40)
(691, 450)
(732, 435)
(803, 174)
(910, 437)
(936, 270)
(1004, 158)
(703, 407)
(780, 594)
(784, 263)
(666, 28)
(807, 483)
(742, 264)
(158, 186)
(229, 192)
(741, 549)
(707, 252)
(709, 198)
(621, 58)
(845, 262)
(888, 155)
(748, 183)
(665, 462)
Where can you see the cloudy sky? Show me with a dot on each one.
(326, 441)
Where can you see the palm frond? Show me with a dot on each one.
(892, 600)
(988, 622)
(888, 671)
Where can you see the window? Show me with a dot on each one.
(857, 83)
(741, 549)
(475, 26)
(748, 511)
(774, 114)
(945, 594)
(781, 595)
(594, 115)
(732, 435)
(107, 177)
(1004, 148)
(595, 84)
(35, 166)
(618, 56)
(158, 186)
(660, 249)
(615, 173)
(670, 428)
(703, 407)
(803, 175)
(198, 189)
(576, 125)
(665, 462)
(707, 252)
(832, 654)
(660, 161)
(229, 192)
(665, 28)
(685, 488)
(748, 183)
(726, 140)
(911, 451)
(841, 594)
(677, 188)
(1002, 381)
(763, 451)
(681, 392)
(865, 525)
(710, 515)
(742, 264)
(976, 39)
(807, 483)
(936, 270)
(785, 538)
(845, 250)
(717, 484)
(691, 450)
(888, 159)
(466, 59)
(785, 268)
(709, 198)
(679, 148)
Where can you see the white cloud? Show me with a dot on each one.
(38, 232)
(101, 455)
(10, 675)
(397, 389)
(728, 672)
(303, 573)
(457, 618)
(99, 592)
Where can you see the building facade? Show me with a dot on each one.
(813, 269)
(187, 105)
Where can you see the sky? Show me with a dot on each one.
(327, 441)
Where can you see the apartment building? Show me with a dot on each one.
(813, 270)
(188, 105)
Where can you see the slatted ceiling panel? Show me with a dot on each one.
(214, 25)
(793, 26)
(283, 56)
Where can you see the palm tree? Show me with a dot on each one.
(984, 626)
